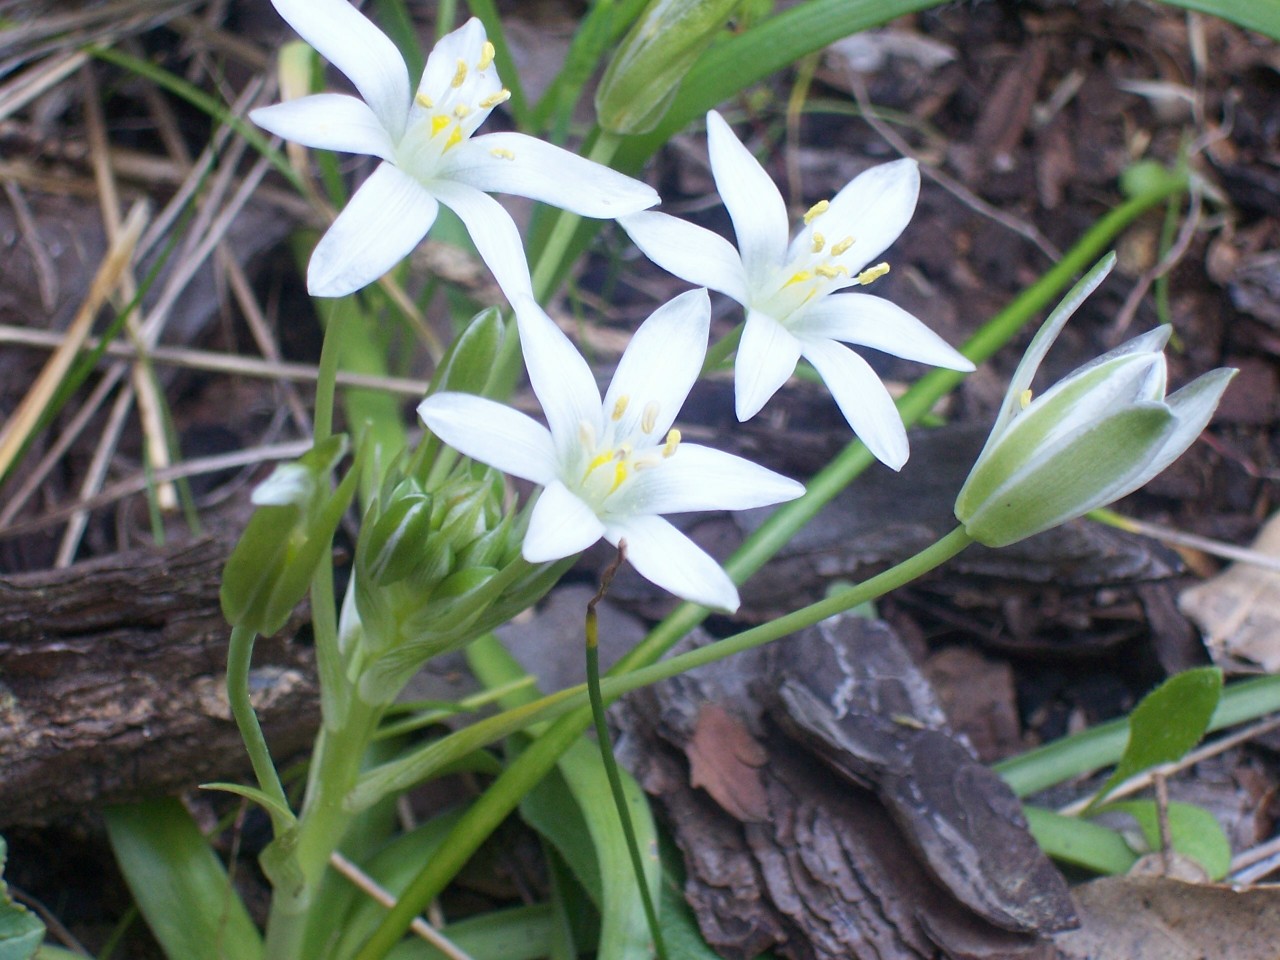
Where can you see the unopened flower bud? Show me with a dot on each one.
(646, 71)
(1094, 437)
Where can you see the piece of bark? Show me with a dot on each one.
(781, 853)
(112, 683)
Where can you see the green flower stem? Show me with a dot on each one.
(239, 657)
(607, 759)
(504, 794)
(325, 817)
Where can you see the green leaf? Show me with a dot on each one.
(1168, 722)
(1260, 15)
(1080, 842)
(260, 797)
(1193, 831)
(179, 884)
(21, 931)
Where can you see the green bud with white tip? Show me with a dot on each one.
(646, 71)
(1094, 437)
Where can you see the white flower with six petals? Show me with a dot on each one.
(429, 154)
(784, 285)
(610, 469)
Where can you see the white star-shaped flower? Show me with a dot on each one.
(610, 469)
(429, 154)
(784, 284)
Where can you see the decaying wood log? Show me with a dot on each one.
(112, 683)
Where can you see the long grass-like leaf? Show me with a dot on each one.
(1260, 15)
(179, 885)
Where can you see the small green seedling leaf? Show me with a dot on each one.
(1079, 842)
(1193, 831)
(21, 931)
(1168, 722)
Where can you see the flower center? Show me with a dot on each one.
(816, 267)
(627, 447)
(441, 120)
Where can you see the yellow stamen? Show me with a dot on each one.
(502, 96)
(1024, 399)
(502, 153)
(831, 272)
(619, 476)
(423, 100)
(460, 76)
(799, 277)
(455, 138)
(673, 441)
(842, 246)
(619, 408)
(872, 273)
(461, 110)
(438, 123)
(819, 241)
(649, 419)
(817, 210)
(486, 56)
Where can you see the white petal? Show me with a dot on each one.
(350, 41)
(767, 356)
(862, 399)
(465, 43)
(560, 377)
(492, 231)
(328, 121)
(874, 208)
(561, 525)
(754, 203)
(526, 167)
(381, 224)
(491, 433)
(660, 365)
(700, 478)
(1025, 372)
(689, 252)
(878, 323)
(665, 556)
(1193, 406)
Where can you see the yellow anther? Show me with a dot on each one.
(455, 138)
(1024, 398)
(422, 100)
(831, 272)
(438, 123)
(502, 153)
(673, 441)
(502, 96)
(600, 460)
(799, 276)
(460, 75)
(842, 246)
(461, 110)
(486, 56)
(872, 273)
(619, 476)
(619, 408)
(586, 435)
(817, 210)
(649, 419)
(819, 241)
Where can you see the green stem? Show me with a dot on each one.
(606, 752)
(335, 766)
(239, 658)
(484, 815)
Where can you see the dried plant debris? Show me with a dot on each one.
(844, 820)
(1155, 918)
(1239, 610)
